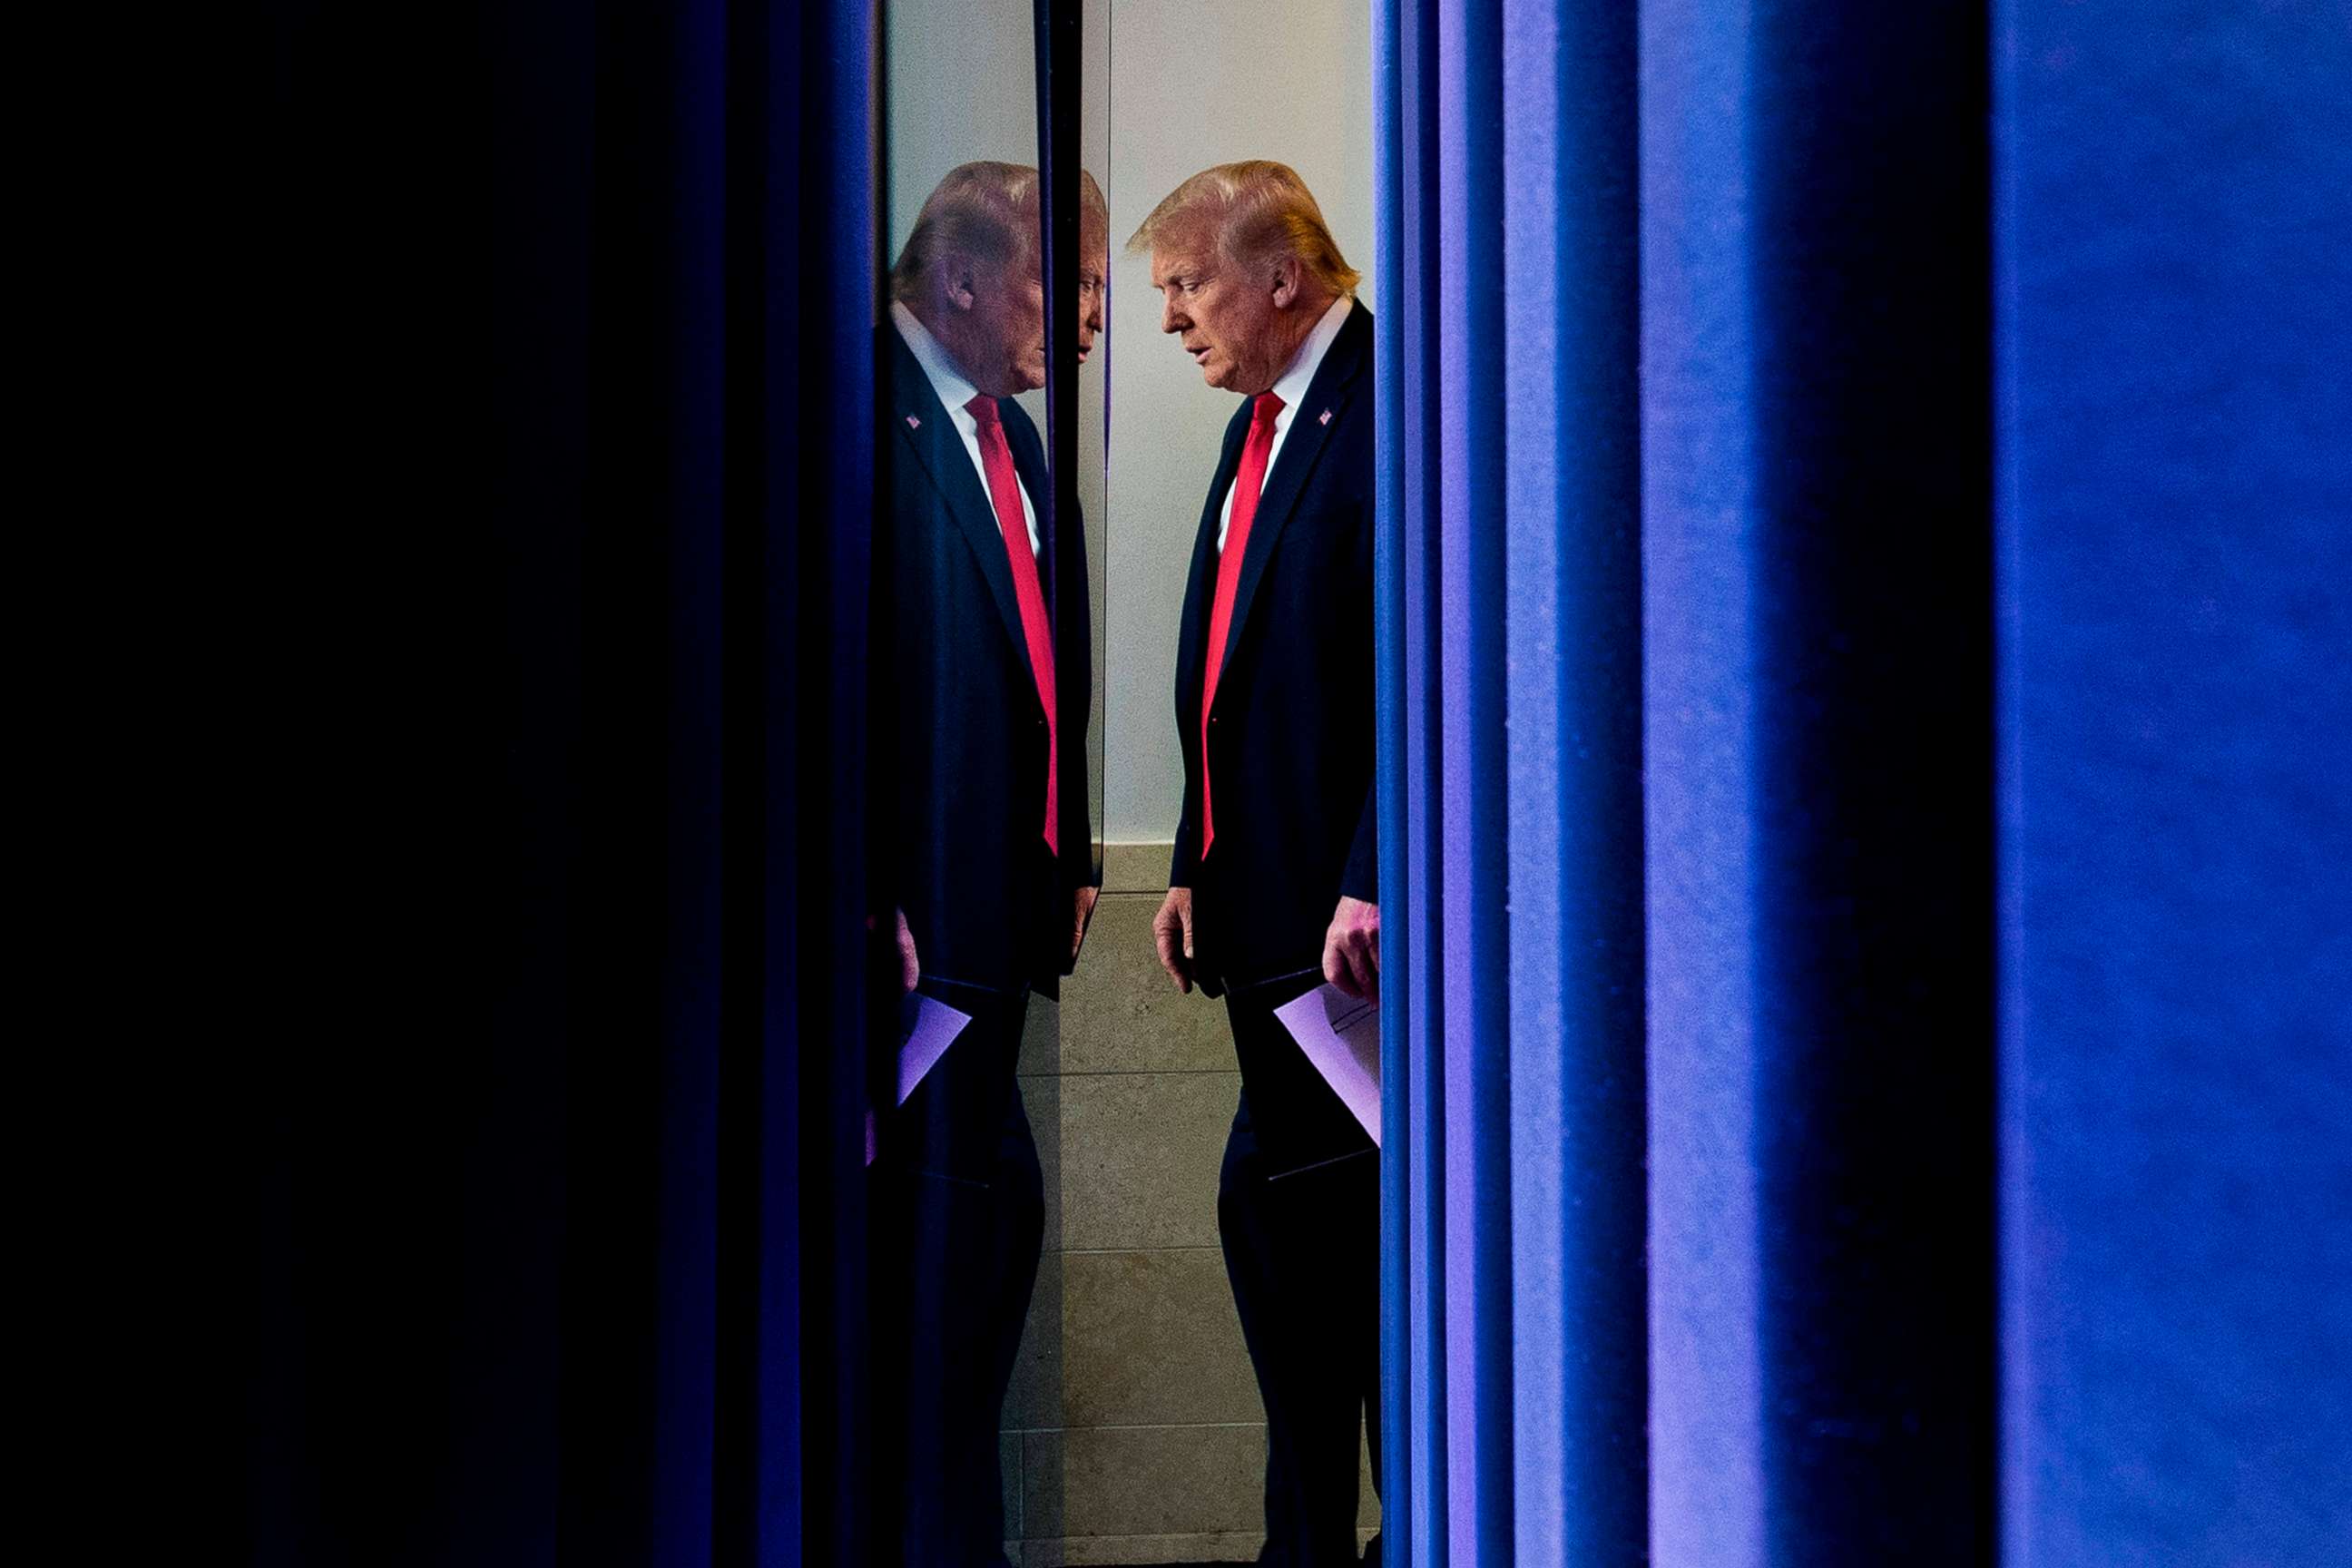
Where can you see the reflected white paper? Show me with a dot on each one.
(937, 1024)
(935, 1029)
(1341, 1036)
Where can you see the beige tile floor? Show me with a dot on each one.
(1134, 1433)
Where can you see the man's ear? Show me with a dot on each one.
(959, 283)
(1286, 281)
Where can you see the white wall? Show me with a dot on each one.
(1202, 82)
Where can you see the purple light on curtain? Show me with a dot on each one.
(1707, 1271)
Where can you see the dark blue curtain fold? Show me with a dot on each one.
(556, 1192)
(1820, 524)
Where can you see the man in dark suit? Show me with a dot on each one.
(1275, 884)
(982, 853)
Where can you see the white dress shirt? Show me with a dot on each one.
(955, 392)
(1292, 390)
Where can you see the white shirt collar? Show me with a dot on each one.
(946, 380)
(1295, 381)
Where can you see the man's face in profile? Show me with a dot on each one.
(991, 321)
(1094, 268)
(1224, 319)
(1006, 325)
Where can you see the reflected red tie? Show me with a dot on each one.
(1247, 483)
(1005, 492)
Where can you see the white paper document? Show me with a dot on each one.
(935, 1029)
(1341, 1036)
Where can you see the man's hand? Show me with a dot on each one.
(1083, 909)
(910, 967)
(1171, 928)
(1351, 949)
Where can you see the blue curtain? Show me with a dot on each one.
(2173, 272)
(1510, 638)
(1863, 1039)
(555, 1201)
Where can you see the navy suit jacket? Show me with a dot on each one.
(1290, 738)
(959, 741)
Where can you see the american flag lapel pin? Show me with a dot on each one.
(1325, 419)
(915, 424)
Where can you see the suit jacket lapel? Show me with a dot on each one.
(1302, 444)
(930, 435)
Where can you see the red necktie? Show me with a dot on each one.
(1004, 490)
(1247, 483)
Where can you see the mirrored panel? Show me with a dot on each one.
(987, 703)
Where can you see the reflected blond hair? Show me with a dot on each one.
(1261, 209)
(984, 210)
(988, 211)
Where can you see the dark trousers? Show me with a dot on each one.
(959, 1216)
(1298, 1210)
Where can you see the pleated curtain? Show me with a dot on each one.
(552, 1248)
(1862, 634)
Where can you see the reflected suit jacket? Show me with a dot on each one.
(958, 740)
(1290, 736)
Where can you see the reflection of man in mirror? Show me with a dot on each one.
(982, 847)
(1094, 261)
(1274, 885)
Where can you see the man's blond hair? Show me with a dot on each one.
(1261, 209)
(988, 211)
(985, 210)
